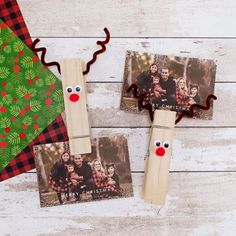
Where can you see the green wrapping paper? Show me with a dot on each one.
(30, 95)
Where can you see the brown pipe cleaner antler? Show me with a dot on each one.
(189, 113)
(95, 54)
(89, 63)
(44, 50)
(140, 98)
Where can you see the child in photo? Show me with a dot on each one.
(156, 92)
(194, 96)
(74, 180)
(113, 178)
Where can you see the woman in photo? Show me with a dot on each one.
(145, 79)
(58, 178)
(182, 96)
(100, 180)
(99, 175)
(144, 82)
(194, 96)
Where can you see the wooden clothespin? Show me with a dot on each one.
(158, 162)
(74, 92)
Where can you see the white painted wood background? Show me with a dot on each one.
(202, 192)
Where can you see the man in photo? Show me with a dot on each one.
(168, 86)
(145, 79)
(84, 170)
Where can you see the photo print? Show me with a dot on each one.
(66, 179)
(170, 82)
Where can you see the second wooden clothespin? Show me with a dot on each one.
(158, 162)
(74, 92)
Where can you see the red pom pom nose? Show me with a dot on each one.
(74, 97)
(160, 151)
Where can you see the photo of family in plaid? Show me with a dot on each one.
(64, 178)
(168, 82)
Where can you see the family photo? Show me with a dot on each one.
(169, 82)
(64, 178)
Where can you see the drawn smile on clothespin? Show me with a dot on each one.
(74, 92)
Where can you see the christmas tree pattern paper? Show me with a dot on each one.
(30, 95)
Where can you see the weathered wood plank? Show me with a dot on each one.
(110, 65)
(193, 208)
(198, 203)
(194, 149)
(104, 108)
(126, 18)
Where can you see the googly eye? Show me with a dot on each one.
(166, 144)
(78, 88)
(69, 89)
(157, 143)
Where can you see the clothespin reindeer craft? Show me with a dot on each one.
(74, 94)
(160, 146)
(158, 162)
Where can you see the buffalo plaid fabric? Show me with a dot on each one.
(182, 100)
(56, 131)
(99, 180)
(10, 13)
(60, 186)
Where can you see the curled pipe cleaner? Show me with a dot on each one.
(89, 63)
(189, 113)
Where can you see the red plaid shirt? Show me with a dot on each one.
(181, 99)
(99, 179)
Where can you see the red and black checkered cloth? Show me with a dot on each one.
(181, 99)
(10, 13)
(99, 180)
(56, 132)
